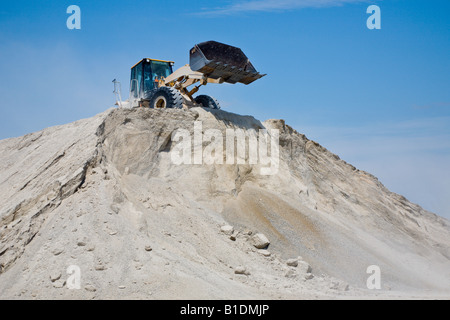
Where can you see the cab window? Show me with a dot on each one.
(161, 69)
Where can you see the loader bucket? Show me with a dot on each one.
(217, 60)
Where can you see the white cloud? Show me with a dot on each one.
(276, 5)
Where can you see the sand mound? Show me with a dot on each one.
(103, 195)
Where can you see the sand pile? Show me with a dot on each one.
(100, 203)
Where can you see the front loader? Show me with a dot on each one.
(154, 84)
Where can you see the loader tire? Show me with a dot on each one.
(166, 97)
(207, 101)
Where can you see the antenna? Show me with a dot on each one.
(117, 92)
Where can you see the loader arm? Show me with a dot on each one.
(184, 77)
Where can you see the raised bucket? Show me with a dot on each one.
(218, 60)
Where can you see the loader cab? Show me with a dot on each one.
(145, 75)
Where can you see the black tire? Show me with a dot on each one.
(207, 101)
(166, 97)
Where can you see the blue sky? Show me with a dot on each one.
(380, 99)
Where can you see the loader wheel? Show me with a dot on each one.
(166, 97)
(207, 101)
